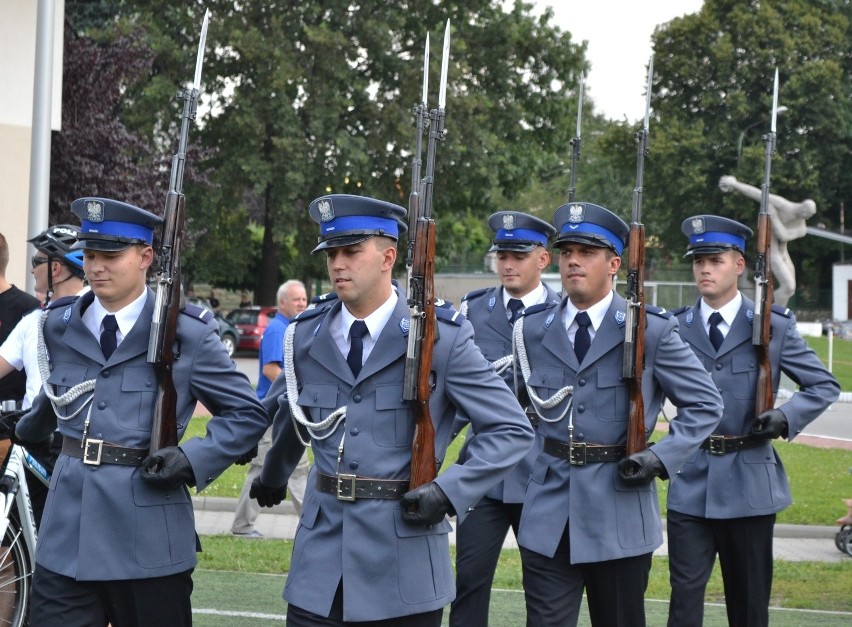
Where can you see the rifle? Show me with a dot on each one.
(164, 431)
(634, 333)
(421, 288)
(575, 143)
(762, 275)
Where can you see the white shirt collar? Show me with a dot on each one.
(728, 311)
(596, 312)
(534, 297)
(375, 322)
(126, 317)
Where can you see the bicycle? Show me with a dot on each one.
(17, 533)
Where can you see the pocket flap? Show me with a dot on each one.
(319, 395)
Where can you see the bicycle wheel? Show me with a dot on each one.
(15, 576)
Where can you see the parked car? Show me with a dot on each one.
(251, 321)
(229, 334)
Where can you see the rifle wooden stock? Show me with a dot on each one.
(634, 339)
(763, 315)
(423, 465)
(164, 431)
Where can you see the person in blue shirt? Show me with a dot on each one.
(292, 299)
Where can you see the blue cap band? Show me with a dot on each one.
(116, 229)
(520, 235)
(587, 227)
(714, 238)
(342, 225)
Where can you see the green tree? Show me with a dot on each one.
(307, 98)
(712, 93)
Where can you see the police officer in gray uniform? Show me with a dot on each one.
(726, 497)
(590, 514)
(117, 542)
(367, 548)
(520, 243)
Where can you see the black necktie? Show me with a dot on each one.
(515, 306)
(582, 339)
(356, 346)
(716, 337)
(108, 338)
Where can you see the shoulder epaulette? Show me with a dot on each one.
(782, 311)
(61, 302)
(447, 313)
(202, 314)
(322, 298)
(314, 311)
(476, 293)
(537, 308)
(658, 311)
(680, 310)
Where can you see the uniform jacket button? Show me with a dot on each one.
(101, 405)
(355, 431)
(353, 465)
(357, 398)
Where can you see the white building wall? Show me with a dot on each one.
(841, 275)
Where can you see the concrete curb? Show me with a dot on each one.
(222, 504)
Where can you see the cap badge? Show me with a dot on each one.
(94, 211)
(326, 211)
(576, 214)
(698, 226)
(508, 222)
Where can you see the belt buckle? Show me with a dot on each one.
(717, 445)
(577, 453)
(93, 458)
(346, 487)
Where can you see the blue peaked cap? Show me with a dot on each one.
(346, 220)
(709, 235)
(593, 225)
(518, 232)
(112, 225)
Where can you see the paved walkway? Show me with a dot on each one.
(795, 543)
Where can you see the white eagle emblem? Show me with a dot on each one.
(576, 214)
(697, 226)
(326, 211)
(508, 222)
(95, 211)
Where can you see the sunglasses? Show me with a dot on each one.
(37, 261)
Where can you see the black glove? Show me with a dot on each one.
(640, 468)
(8, 422)
(770, 424)
(426, 505)
(265, 495)
(246, 458)
(168, 468)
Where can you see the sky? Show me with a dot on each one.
(619, 35)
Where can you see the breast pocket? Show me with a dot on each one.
(546, 382)
(611, 398)
(138, 391)
(744, 371)
(319, 399)
(64, 377)
(393, 423)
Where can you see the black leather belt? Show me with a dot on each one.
(97, 452)
(721, 444)
(581, 453)
(350, 487)
(532, 416)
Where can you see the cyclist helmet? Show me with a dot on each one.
(57, 241)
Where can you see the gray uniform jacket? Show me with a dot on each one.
(608, 520)
(389, 568)
(750, 482)
(493, 336)
(104, 522)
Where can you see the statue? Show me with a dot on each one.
(788, 222)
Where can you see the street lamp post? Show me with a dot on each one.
(781, 109)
